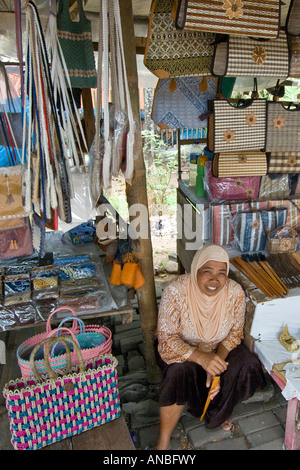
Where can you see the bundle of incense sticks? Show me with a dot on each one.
(257, 269)
(287, 268)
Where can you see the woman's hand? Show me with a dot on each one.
(212, 363)
(216, 390)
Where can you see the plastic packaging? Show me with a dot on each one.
(195, 152)
(200, 186)
(230, 188)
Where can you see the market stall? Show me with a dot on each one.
(215, 75)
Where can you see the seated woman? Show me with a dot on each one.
(200, 329)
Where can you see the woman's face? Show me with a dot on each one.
(212, 277)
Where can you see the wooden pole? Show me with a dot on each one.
(137, 193)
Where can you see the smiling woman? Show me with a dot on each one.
(200, 330)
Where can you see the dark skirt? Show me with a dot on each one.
(185, 383)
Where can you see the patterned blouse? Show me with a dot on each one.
(177, 338)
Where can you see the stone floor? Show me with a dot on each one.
(259, 423)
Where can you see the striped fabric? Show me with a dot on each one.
(253, 163)
(250, 228)
(274, 188)
(47, 411)
(241, 56)
(293, 18)
(284, 162)
(293, 208)
(221, 219)
(234, 128)
(283, 128)
(251, 18)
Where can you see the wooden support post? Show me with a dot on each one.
(89, 118)
(137, 193)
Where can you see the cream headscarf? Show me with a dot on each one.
(207, 312)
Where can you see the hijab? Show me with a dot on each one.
(207, 313)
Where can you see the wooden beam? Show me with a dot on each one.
(137, 193)
(140, 44)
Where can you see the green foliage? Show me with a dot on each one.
(160, 162)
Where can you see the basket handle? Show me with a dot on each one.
(293, 231)
(56, 332)
(78, 320)
(49, 343)
(48, 325)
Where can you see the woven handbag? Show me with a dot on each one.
(16, 242)
(293, 210)
(251, 163)
(45, 409)
(284, 162)
(249, 18)
(234, 127)
(231, 188)
(282, 131)
(221, 219)
(248, 57)
(75, 38)
(173, 53)
(292, 23)
(282, 240)
(179, 103)
(274, 186)
(89, 337)
(251, 228)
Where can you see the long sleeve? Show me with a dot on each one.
(171, 346)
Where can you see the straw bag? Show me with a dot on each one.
(282, 240)
(221, 219)
(282, 130)
(92, 339)
(231, 188)
(234, 127)
(173, 53)
(274, 186)
(251, 163)
(180, 103)
(284, 162)
(248, 57)
(48, 408)
(249, 18)
(251, 228)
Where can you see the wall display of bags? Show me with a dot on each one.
(292, 24)
(250, 18)
(231, 188)
(238, 56)
(234, 127)
(251, 163)
(274, 186)
(283, 128)
(180, 103)
(284, 162)
(173, 53)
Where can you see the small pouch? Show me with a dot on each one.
(282, 240)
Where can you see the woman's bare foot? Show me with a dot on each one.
(227, 425)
